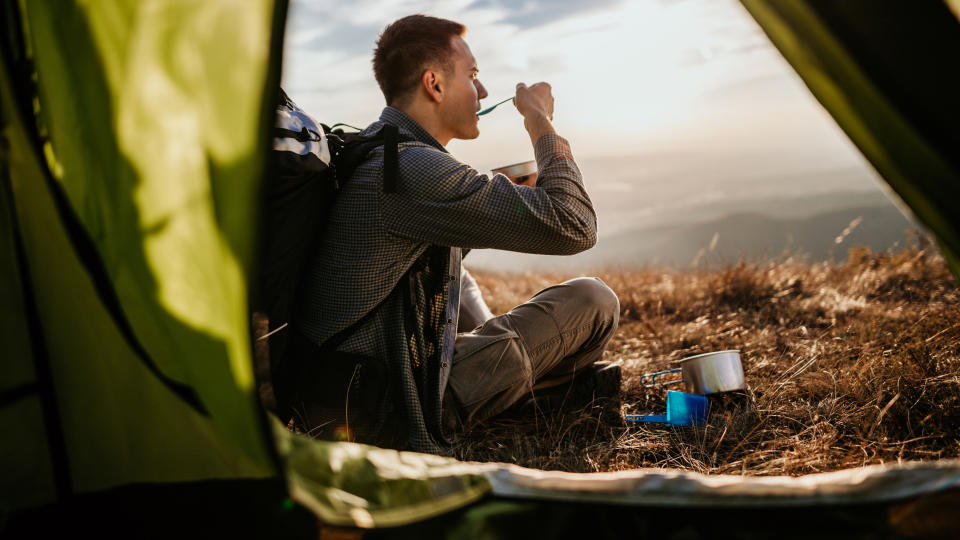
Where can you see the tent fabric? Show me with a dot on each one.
(166, 167)
(361, 486)
(31, 479)
(233, 508)
(886, 74)
(131, 191)
(364, 486)
(673, 488)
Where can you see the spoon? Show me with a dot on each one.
(488, 109)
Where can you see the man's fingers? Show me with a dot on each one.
(541, 86)
(521, 89)
(537, 96)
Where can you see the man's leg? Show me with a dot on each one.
(559, 331)
(473, 309)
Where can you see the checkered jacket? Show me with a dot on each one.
(373, 238)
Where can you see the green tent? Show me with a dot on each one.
(133, 141)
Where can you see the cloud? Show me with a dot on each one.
(534, 13)
(314, 27)
(346, 39)
(351, 29)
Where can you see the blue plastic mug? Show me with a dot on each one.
(682, 410)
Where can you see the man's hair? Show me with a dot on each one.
(408, 46)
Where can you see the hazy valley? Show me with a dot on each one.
(692, 221)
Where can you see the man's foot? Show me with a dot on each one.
(598, 384)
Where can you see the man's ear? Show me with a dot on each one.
(432, 83)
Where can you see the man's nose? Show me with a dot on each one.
(481, 91)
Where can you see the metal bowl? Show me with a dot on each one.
(517, 170)
(713, 373)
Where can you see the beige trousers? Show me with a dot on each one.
(545, 340)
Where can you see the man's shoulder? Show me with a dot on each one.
(414, 151)
(424, 165)
(412, 154)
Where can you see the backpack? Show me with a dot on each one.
(309, 163)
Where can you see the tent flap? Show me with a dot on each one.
(133, 133)
(357, 485)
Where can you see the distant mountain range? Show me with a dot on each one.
(756, 236)
(821, 227)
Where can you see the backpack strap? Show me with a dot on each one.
(303, 135)
(351, 149)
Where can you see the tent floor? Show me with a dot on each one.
(212, 509)
(932, 516)
(260, 509)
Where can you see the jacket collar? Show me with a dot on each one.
(398, 118)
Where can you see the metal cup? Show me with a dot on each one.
(714, 372)
(519, 172)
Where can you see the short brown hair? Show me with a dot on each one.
(406, 47)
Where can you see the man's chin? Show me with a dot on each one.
(470, 134)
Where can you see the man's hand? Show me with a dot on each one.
(535, 103)
(534, 100)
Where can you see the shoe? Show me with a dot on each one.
(598, 384)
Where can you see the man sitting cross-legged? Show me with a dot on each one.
(392, 344)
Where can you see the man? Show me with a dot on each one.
(383, 300)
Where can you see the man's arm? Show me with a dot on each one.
(443, 201)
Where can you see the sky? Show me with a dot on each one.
(647, 92)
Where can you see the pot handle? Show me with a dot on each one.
(653, 378)
(645, 418)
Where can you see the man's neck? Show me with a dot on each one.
(424, 115)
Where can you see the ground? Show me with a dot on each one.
(847, 364)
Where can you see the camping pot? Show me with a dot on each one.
(714, 372)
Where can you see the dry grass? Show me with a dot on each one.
(847, 365)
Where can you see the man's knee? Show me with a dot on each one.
(593, 294)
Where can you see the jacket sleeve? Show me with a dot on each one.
(444, 201)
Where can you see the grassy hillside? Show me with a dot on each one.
(847, 365)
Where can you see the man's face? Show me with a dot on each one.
(463, 93)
